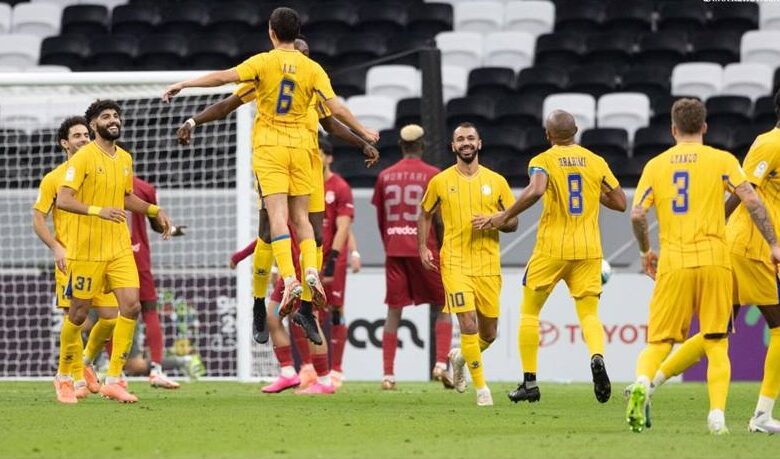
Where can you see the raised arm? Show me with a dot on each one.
(340, 111)
(337, 129)
(507, 221)
(208, 80)
(216, 111)
(760, 217)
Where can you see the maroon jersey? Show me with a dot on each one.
(397, 195)
(138, 235)
(338, 203)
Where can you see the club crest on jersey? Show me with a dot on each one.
(486, 190)
(453, 189)
(760, 169)
(330, 197)
(100, 170)
(126, 172)
(70, 174)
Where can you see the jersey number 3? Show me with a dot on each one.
(284, 102)
(680, 201)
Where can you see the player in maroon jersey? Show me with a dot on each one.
(148, 293)
(397, 196)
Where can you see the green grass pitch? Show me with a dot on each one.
(419, 420)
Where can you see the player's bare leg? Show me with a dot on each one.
(129, 309)
(390, 345)
(287, 378)
(762, 420)
(101, 332)
(278, 214)
(443, 333)
(473, 336)
(304, 317)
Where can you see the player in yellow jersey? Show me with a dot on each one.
(469, 257)
(263, 256)
(69, 383)
(96, 189)
(693, 275)
(286, 84)
(573, 181)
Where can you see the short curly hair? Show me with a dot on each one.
(97, 107)
(689, 115)
(64, 130)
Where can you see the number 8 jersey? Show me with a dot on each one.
(686, 184)
(569, 225)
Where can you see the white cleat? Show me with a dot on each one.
(458, 364)
(158, 379)
(484, 397)
(716, 421)
(764, 423)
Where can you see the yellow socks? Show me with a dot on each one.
(718, 372)
(282, 250)
(687, 355)
(71, 346)
(650, 359)
(319, 258)
(262, 260)
(101, 332)
(483, 345)
(122, 342)
(771, 383)
(308, 255)
(528, 331)
(593, 331)
(469, 346)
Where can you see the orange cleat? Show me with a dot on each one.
(307, 375)
(318, 298)
(115, 391)
(93, 384)
(81, 390)
(63, 386)
(292, 292)
(157, 379)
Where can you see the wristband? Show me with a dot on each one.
(355, 254)
(152, 210)
(94, 210)
(191, 123)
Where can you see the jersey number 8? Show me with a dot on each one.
(575, 194)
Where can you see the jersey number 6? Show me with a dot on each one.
(284, 102)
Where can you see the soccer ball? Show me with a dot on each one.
(606, 271)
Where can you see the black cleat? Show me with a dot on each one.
(601, 385)
(259, 323)
(309, 325)
(525, 394)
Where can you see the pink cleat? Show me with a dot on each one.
(93, 384)
(157, 379)
(63, 386)
(317, 389)
(281, 384)
(307, 376)
(81, 390)
(116, 392)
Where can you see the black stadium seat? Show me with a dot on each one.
(606, 141)
(234, 18)
(650, 80)
(322, 48)
(67, 50)
(134, 20)
(718, 138)
(476, 110)
(85, 20)
(662, 49)
(682, 16)
(187, 21)
(579, 16)
(502, 151)
(347, 84)
(407, 111)
(161, 52)
(728, 112)
(518, 111)
(609, 49)
(429, 19)
(535, 141)
(634, 17)
(541, 81)
(405, 42)
(559, 50)
(112, 52)
(384, 18)
(212, 52)
(776, 85)
(249, 45)
(495, 82)
(331, 17)
(354, 49)
(717, 46)
(736, 17)
(596, 80)
(652, 140)
(764, 112)
(743, 138)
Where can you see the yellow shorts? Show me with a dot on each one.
(283, 170)
(469, 293)
(317, 199)
(61, 284)
(582, 277)
(755, 282)
(89, 279)
(681, 293)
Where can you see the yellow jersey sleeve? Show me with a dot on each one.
(536, 165)
(733, 174)
(77, 170)
(609, 182)
(643, 195)
(431, 197)
(252, 68)
(321, 83)
(47, 194)
(761, 162)
(245, 92)
(505, 196)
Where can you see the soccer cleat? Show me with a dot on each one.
(525, 394)
(337, 378)
(636, 407)
(115, 391)
(158, 379)
(317, 389)
(281, 384)
(292, 292)
(259, 327)
(309, 325)
(764, 423)
(484, 397)
(91, 378)
(63, 387)
(443, 376)
(716, 421)
(307, 375)
(388, 383)
(601, 385)
(458, 364)
(318, 298)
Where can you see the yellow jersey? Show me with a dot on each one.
(686, 184)
(285, 82)
(47, 198)
(99, 180)
(762, 166)
(465, 250)
(569, 224)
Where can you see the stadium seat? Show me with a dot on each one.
(749, 80)
(662, 49)
(112, 52)
(518, 111)
(776, 85)
(541, 81)
(385, 18)
(454, 80)
(161, 52)
(335, 18)
(407, 111)
(47, 69)
(611, 142)
(494, 82)
(394, 81)
(501, 141)
(479, 16)
(476, 110)
(560, 50)
(18, 113)
(652, 140)
(211, 52)
(743, 138)
(581, 106)
(322, 48)
(535, 141)
(67, 50)
(41, 19)
(728, 112)
(249, 45)
(406, 42)
(348, 84)
(721, 47)
(235, 18)
(19, 50)
(430, 19)
(769, 15)
(531, 16)
(352, 49)
(700, 79)
(462, 49)
(388, 146)
(85, 19)
(625, 110)
(737, 17)
(633, 17)
(650, 80)
(593, 79)
(375, 112)
(661, 107)
(613, 49)
(764, 112)
(579, 17)
(187, 21)
(5, 18)
(761, 46)
(134, 20)
(509, 49)
(718, 138)
(682, 16)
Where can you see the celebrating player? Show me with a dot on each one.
(573, 180)
(469, 258)
(693, 274)
(97, 187)
(397, 196)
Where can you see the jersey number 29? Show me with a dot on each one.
(409, 195)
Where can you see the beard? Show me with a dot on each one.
(461, 153)
(106, 134)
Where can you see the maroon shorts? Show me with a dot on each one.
(407, 282)
(335, 290)
(147, 291)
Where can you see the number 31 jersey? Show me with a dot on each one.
(569, 225)
(397, 195)
(686, 185)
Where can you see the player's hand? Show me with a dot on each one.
(488, 222)
(59, 257)
(164, 221)
(184, 134)
(231, 263)
(371, 154)
(650, 263)
(371, 136)
(775, 255)
(178, 230)
(355, 263)
(171, 91)
(112, 214)
(428, 262)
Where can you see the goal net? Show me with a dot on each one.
(204, 306)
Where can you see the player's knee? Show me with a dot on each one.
(78, 314)
(131, 310)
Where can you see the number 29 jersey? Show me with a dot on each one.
(686, 184)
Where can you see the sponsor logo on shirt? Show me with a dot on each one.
(402, 231)
(330, 197)
(137, 247)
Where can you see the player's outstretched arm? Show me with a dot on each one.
(340, 111)
(66, 200)
(137, 205)
(731, 204)
(340, 239)
(424, 222)
(503, 221)
(237, 257)
(337, 129)
(208, 80)
(761, 219)
(216, 111)
(642, 235)
(614, 199)
(40, 228)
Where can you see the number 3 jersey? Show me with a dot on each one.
(686, 184)
(569, 224)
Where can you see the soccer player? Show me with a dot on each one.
(755, 276)
(286, 82)
(693, 274)
(69, 383)
(469, 258)
(572, 180)
(397, 195)
(97, 188)
(263, 256)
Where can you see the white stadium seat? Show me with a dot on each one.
(16, 112)
(463, 49)
(454, 81)
(769, 15)
(534, 17)
(480, 17)
(514, 50)
(762, 46)
(395, 81)
(700, 79)
(749, 80)
(48, 69)
(625, 110)
(5, 18)
(581, 106)
(19, 50)
(64, 3)
(375, 112)
(41, 19)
